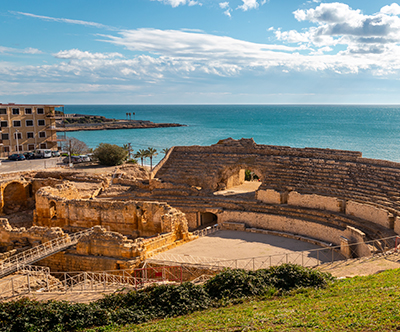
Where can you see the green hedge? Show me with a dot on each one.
(156, 301)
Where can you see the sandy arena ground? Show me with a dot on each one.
(235, 245)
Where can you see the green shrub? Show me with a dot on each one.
(233, 284)
(110, 154)
(156, 301)
(290, 276)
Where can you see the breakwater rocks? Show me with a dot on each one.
(116, 124)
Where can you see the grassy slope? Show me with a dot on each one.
(359, 304)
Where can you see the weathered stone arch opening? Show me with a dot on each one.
(53, 210)
(208, 218)
(236, 176)
(14, 197)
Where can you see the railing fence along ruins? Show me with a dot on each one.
(30, 256)
(39, 280)
(310, 258)
(207, 231)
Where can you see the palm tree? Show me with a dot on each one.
(165, 151)
(141, 154)
(151, 152)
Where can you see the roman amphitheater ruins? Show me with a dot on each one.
(326, 197)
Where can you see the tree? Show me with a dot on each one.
(75, 147)
(141, 154)
(165, 151)
(110, 154)
(128, 148)
(150, 153)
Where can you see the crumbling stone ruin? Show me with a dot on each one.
(323, 196)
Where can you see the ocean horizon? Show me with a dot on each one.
(374, 130)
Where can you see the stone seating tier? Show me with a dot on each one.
(334, 220)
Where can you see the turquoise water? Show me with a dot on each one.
(372, 130)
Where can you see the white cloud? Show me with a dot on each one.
(176, 3)
(10, 50)
(393, 9)
(338, 24)
(77, 54)
(248, 4)
(366, 43)
(224, 5)
(67, 20)
(228, 12)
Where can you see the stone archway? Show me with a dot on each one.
(208, 219)
(53, 210)
(235, 176)
(14, 198)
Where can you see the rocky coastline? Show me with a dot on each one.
(110, 124)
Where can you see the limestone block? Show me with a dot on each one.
(269, 196)
(314, 201)
(397, 225)
(285, 224)
(357, 239)
(233, 226)
(369, 212)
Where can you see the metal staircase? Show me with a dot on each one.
(30, 256)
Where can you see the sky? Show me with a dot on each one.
(200, 52)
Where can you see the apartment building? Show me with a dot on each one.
(27, 128)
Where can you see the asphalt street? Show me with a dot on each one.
(8, 166)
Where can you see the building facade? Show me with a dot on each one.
(27, 128)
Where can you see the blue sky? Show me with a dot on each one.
(200, 52)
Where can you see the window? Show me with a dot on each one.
(41, 122)
(30, 135)
(6, 149)
(42, 134)
(18, 135)
(17, 123)
(40, 111)
(28, 110)
(43, 146)
(3, 111)
(4, 136)
(3, 124)
(18, 148)
(31, 147)
(15, 111)
(29, 123)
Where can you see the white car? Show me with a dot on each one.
(85, 158)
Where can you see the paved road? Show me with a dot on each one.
(8, 166)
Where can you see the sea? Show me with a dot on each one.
(373, 130)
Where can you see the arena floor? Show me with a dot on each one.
(226, 245)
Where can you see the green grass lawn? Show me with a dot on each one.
(359, 304)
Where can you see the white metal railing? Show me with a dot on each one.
(207, 231)
(89, 281)
(310, 258)
(37, 279)
(17, 262)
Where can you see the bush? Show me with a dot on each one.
(156, 301)
(110, 154)
(233, 284)
(290, 276)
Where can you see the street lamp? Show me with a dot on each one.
(16, 135)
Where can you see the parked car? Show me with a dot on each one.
(55, 153)
(85, 158)
(74, 160)
(42, 153)
(29, 155)
(16, 156)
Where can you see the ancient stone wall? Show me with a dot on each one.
(55, 208)
(336, 173)
(12, 237)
